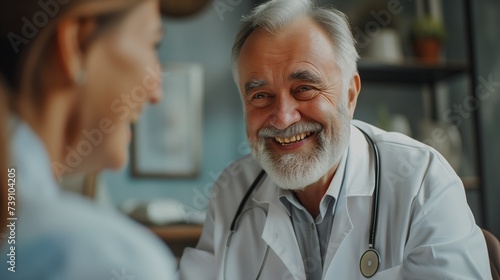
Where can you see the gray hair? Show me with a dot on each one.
(277, 14)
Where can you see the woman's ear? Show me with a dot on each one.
(353, 93)
(72, 34)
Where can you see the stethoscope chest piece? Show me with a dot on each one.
(369, 263)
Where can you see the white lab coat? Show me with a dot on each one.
(425, 227)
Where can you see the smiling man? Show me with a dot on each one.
(324, 197)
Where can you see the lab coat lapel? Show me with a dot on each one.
(358, 181)
(341, 228)
(278, 231)
(279, 235)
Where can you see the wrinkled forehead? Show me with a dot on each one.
(299, 45)
(304, 29)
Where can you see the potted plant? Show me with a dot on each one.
(427, 36)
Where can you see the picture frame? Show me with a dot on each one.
(166, 140)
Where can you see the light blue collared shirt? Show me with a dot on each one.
(62, 236)
(313, 235)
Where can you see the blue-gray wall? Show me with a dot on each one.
(207, 39)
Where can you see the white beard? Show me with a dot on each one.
(298, 170)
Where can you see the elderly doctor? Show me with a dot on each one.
(320, 199)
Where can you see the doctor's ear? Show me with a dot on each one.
(353, 93)
(71, 39)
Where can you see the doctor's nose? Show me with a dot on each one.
(284, 112)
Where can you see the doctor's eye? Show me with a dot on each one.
(305, 92)
(260, 99)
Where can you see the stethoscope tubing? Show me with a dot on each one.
(376, 191)
(245, 198)
(230, 236)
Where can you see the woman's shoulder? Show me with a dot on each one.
(77, 238)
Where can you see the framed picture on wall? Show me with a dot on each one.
(166, 140)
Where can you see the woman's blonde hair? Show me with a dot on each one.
(28, 33)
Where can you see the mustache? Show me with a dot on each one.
(294, 129)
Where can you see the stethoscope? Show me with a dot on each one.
(369, 261)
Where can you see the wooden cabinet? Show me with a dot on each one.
(178, 237)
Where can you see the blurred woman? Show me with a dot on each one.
(79, 72)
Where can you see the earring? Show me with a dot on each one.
(80, 78)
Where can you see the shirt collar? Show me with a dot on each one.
(31, 161)
(288, 199)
